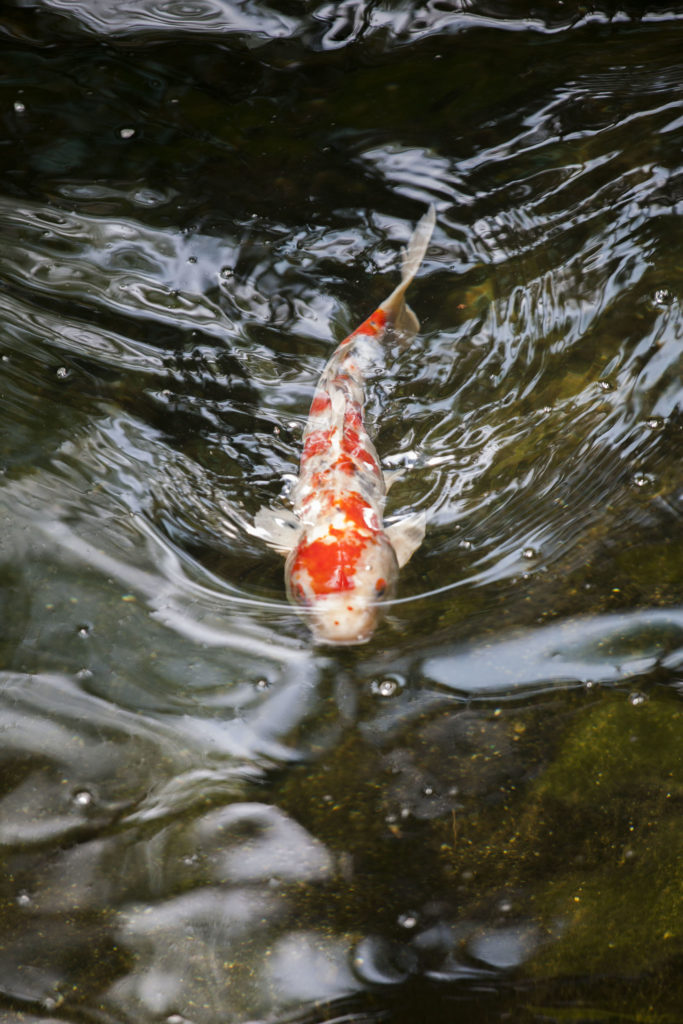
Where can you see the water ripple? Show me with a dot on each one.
(186, 17)
(204, 816)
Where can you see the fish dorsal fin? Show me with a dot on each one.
(400, 315)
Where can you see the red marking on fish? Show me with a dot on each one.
(316, 443)
(374, 325)
(353, 447)
(320, 404)
(329, 564)
(345, 464)
(359, 512)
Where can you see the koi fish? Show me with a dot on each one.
(342, 563)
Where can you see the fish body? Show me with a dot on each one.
(342, 563)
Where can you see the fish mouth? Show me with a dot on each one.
(329, 641)
(334, 637)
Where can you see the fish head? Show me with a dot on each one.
(341, 585)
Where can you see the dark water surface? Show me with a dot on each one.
(477, 816)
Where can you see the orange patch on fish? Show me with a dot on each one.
(358, 511)
(330, 564)
(374, 324)
(352, 446)
(321, 403)
(345, 464)
(316, 443)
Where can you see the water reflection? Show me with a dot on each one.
(202, 818)
(194, 17)
(604, 649)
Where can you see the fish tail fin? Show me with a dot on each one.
(415, 251)
(401, 315)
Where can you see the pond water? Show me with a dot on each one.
(476, 816)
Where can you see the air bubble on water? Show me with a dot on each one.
(428, 791)
(384, 687)
(379, 962)
(605, 385)
(19, 107)
(662, 297)
(83, 630)
(655, 423)
(529, 553)
(504, 906)
(83, 798)
(642, 479)
(636, 698)
(84, 673)
(191, 259)
(407, 920)
(466, 545)
(226, 273)
(23, 899)
(262, 684)
(127, 133)
(62, 373)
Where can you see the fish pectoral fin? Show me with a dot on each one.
(280, 530)
(406, 536)
(391, 476)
